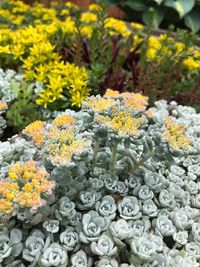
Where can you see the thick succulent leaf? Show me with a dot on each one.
(15, 236)
(17, 249)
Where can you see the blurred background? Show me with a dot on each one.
(113, 10)
(183, 14)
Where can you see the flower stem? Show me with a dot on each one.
(96, 148)
(141, 161)
(114, 155)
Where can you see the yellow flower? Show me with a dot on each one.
(63, 144)
(174, 134)
(136, 101)
(197, 54)
(17, 51)
(154, 46)
(117, 27)
(43, 48)
(87, 30)
(137, 26)
(98, 103)
(136, 41)
(132, 100)
(12, 175)
(10, 196)
(6, 206)
(122, 122)
(154, 42)
(28, 187)
(179, 47)
(35, 131)
(68, 26)
(28, 190)
(65, 12)
(88, 17)
(17, 20)
(94, 7)
(70, 5)
(191, 63)
(151, 53)
(111, 93)
(63, 120)
(5, 49)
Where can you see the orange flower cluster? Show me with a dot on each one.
(25, 187)
(57, 140)
(134, 100)
(174, 134)
(62, 144)
(35, 131)
(64, 120)
(98, 103)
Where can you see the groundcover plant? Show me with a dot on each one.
(115, 184)
(17, 103)
(59, 47)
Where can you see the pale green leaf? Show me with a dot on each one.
(153, 17)
(158, 1)
(181, 6)
(138, 5)
(192, 21)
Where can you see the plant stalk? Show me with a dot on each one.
(96, 148)
(114, 155)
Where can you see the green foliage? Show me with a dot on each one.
(155, 13)
(192, 21)
(23, 110)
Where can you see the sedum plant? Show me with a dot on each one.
(115, 184)
(17, 103)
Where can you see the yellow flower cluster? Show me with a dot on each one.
(62, 76)
(193, 62)
(157, 50)
(17, 13)
(116, 26)
(174, 134)
(25, 187)
(33, 47)
(58, 140)
(122, 122)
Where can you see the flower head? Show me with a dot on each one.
(175, 135)
(122, 122)
(63, 120)
(26, 188)
(98, 103)
(35, 131)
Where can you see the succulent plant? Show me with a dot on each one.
(114, 199)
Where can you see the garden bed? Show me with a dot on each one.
(111, 185)
(93, 176)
